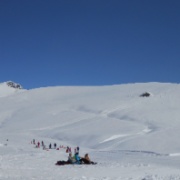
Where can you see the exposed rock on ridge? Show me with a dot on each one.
(14, 85)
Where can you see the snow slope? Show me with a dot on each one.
(131, 137)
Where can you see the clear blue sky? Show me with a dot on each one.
(89, 42)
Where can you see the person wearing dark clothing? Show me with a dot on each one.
(50, 146)
(86, 160)
(62, 163)
(70, 160)
(34, 141)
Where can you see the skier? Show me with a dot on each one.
(38, 144)
(50, 146)
(77, 149)
(34, 141)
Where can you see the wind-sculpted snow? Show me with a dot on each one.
(131, 137)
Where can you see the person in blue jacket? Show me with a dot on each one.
(78, 158)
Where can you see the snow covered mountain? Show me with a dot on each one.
(114, 122)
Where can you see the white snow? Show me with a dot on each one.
(130, 137)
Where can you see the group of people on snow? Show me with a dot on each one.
(76, 159)
(54, 146)
(42, 144)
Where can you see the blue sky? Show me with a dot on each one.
(89, 42)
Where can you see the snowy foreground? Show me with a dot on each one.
(130, 137)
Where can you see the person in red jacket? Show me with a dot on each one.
(38, 144)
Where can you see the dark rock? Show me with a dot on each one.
(14, 85)
(146, 94)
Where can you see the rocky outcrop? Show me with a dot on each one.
(146, 94)
(14, 85)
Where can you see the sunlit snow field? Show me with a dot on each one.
(130, 137)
